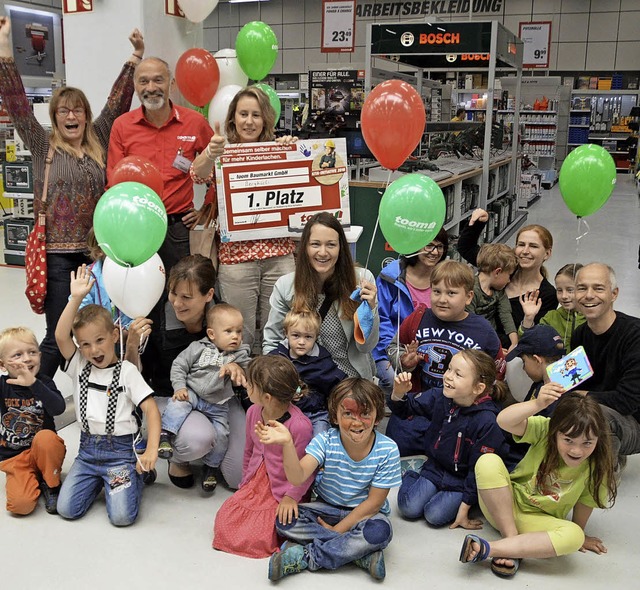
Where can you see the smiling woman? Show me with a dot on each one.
(76, 146)
(324, 279)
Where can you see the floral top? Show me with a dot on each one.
(75, 184)
(249, 250)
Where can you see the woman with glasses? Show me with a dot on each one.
(401, 286)
(76, 178)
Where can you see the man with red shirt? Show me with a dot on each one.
(172, 138)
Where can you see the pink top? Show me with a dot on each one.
(255, 453)
(419, 295)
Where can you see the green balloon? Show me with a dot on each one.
(587, 179)
(412, 212)
(274, 99)
(256, 49)
(130, 223)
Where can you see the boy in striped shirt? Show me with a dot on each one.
(348, 522)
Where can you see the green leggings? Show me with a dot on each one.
(566, 536)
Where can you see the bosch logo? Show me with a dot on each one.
(451, 57)
(407, 39)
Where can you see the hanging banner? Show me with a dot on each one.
(270, 190)
(171, 8)
(75, 6)
(338, 26)
(337, 92)
(536, 37)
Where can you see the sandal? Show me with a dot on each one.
(482, 554)
(505, 571)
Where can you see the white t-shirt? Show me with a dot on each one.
(136, 390)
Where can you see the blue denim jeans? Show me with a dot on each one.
(176, 413)
(59, 266)
(319, 421)
(419, 497)
(107, 462)
(326, 548)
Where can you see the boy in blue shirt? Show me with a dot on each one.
(348, 522)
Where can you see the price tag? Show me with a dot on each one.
(338, 26)
(536, 37)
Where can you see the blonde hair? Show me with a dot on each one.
(19, 333)
(310, 319)
(92, 314)
(217, 310)
(95, 252)
(493, 256)
(75, 98)
(453, 274)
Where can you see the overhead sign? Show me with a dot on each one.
(270, 190)
(337, 92)
(536, 37)
(427, 7)
(75, 6)
(338, 26)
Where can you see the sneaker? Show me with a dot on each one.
(374, 564)
(50, 496)
(148, 477)
(165, 450)
(209, 481)
(289, 560)
(140, 445)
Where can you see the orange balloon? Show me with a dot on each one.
(392, 120)
(138, 169)
(197, 76)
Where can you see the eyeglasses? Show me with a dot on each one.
(429, 248)
(64, 111)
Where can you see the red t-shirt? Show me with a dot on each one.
(186, 131)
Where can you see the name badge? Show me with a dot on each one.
(181, 163)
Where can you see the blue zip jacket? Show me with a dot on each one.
(455, 439)
(392, 292)
(318, 371)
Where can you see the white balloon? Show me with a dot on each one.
(219, 105)
(230, 70)
(135, 290)
(197, 10)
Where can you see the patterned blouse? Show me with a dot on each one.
(75, 184)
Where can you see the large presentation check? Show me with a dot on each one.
(270, 190)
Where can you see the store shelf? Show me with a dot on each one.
(519, 220)
(616, 92)
(579, 110)
(571, 125)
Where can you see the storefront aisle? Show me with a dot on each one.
(170, 545)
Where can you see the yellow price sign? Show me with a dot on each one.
(10, 152)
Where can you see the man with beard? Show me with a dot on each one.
(172, 138)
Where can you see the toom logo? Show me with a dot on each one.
(408, 223)
(439, 38)
(159, 211)
(474, 57)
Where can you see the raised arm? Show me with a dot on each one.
(514, 418)
(81, 283)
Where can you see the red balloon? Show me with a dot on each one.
(137, 169)
(392, 119)
(197, 76)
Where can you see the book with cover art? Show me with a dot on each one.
(571, 370)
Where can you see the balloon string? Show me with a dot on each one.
(375, 229)
(580, 236)
(113, 257)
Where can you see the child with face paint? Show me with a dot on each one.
(348, 523)
(462, 428)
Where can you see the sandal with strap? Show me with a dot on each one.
(505, 571)
(483, 552)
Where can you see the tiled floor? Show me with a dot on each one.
(170, 545)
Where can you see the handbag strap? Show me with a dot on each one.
(45, 188)
(207, 215)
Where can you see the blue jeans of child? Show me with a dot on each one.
(328, 549)
(419, 497)
(107, 462)
(319, 421)
(176, 413)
